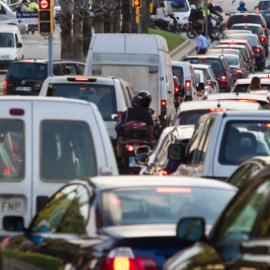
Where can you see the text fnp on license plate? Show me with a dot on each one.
(11, 206)
(23, 88)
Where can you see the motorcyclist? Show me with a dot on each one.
(242, 7)
(24, 6)
(139, 112)
(163, 14)
(197, 16)
(32, 6)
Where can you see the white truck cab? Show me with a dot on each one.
(44, 143)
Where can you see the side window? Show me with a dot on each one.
(240, 218)
(67, 150)
(66, 212)
(81, 68)
(2, 9)
(56, 69)
(69, 69)
(194, 141)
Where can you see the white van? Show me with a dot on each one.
(44, 143)
(11, 47)
(7, 16)
(229, 6)
(140, 59)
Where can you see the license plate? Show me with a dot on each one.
(23, 88)
(11, 206)
(131, 161)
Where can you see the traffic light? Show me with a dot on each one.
(136, 3)
(45, 16)
(138, 18)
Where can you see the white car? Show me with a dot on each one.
(202, 84)
(7, 16)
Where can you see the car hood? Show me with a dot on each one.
(6, 51)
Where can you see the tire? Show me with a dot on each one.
(179, 29)
(215, 32)
(191, 33)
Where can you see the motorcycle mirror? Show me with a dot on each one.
(142, 159)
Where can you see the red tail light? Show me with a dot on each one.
(257, 49)
(163, 104)
(5, 86)
(176, 89)
(130, 148)
(223, 80)
(123, 259)
(262, 38)
(239, 73)
(187, 83)
(135, 124)
(210, 84)
(164, 172)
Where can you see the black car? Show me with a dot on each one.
(107, 223)
(27, 76)
(264, 8)
(220, 67)
(240, 239)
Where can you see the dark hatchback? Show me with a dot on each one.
(114, 223)
(26, 77)
(240, 239)
(264, 8)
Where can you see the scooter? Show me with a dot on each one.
(162, 25)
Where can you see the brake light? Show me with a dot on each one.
(173, 190)
(7, 171)
(176, 89)
(262, 38)
(245, 26)
(187, 83)
(267, 125)
(202, 57)
(245, 15)
(210, 84)
(239, 73)
(223, 80)
(226, 28)
(16, 111)
(163, 104)
(5, 86)
(257, 49)
(248, 100)
(130, 148)
(163, 172)
(123, 259)
(81, 79)
(135, 124)
(217, 110)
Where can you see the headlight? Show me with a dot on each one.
(5, 57)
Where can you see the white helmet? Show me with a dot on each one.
(192, 7)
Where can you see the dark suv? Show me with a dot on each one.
(264, 8)
(220, 67)
(26, 77)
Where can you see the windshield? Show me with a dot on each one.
(155, 205)
(6, 40)
(180, 6)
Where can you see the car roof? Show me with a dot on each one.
(205, 56)
(36, 60)
(202, 66)
(248, 24)
(217, 104)
(122, 181)
(8, 27)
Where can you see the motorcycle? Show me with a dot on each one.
(193, 27)
(162, 25)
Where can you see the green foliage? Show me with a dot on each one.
(172, 39)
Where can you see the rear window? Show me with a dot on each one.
(28, 70)
(254, 29)
(241, 88)
(216, 64)
(67, 150)
(232, 61)
(245, 19)
(191, 117)
(205, 72)
(161, 204)
(102, 95)
(179, 73)
(12, 154)
(264, 5)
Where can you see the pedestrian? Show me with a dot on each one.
(202, 43)
(255, 84)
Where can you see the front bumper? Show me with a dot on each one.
(4, 64)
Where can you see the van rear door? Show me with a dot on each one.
(15, 163)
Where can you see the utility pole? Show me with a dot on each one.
(206, 18)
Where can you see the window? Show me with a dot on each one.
(66, 212)
(12, 153)
(69, 69)
(238, 221)
(179, 73)
(67, 150)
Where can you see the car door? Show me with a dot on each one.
(55, 235)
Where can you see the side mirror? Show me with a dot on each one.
(19, 45)
(114, 117)
(142, 159)
(13, 223)
(176, 152)
(191, 229)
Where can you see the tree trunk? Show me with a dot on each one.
(66, 27)
(126, 19)
(87, 31)
(145, 16)
(98, 16)
(77, 39)
(108, 16)
(116, 17)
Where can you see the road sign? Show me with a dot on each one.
(28, 21)
(24, 15)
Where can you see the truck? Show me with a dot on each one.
(142, 60)
(44, 143)
(222, 141)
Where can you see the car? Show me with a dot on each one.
(209, 74)
(111, 222)
(247, 170)
(239, 238)
(225, 33)
(7, 16)
(256, 29)
(237, 66)
(251, 17)
(263, 100)
(202, 83)
(249, 56)
(219, 65)
(241, 86)
(189, 113)
(111, 95)
(27, 76)
(159, 162)
(181, 10)
(263, 8)
(249, 64)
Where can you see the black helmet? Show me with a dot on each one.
(242, 3)
(143, 99)
(210, 5)
(162, 4)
